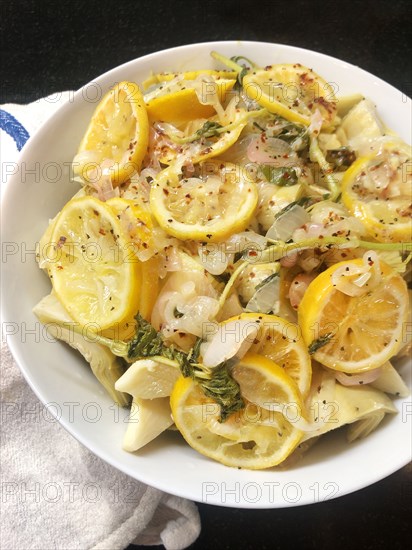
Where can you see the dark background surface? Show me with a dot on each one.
(53, 46)
(48, 47)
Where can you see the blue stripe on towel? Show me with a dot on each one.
(13, 127)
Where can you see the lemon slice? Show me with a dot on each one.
(354, 333)
(199, 151)
(137, 224)
(207, 209)
(257, 437)
(136, 221)
(185, 100)
(279, 340)
(187, 75)
(118, 132)
(378, 190)
(92, 274)
(293, 92)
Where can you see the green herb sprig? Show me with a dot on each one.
(216, 382)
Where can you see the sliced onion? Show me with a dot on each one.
(250, 104)
(283, 227)
(159, 314)
(273, 151)
(362, 279)
(181, 290)
(239, 242)
(349, 226)
(203, 286)
(356, 280)
(196, 313)
(290, 259)
(231, 339)
(327, 212)
(344, 276)
(238, 152)
(298, 288)
(371, 259)
(366, 377)
(172, 260)
(214, 258)
(308, 231)
(162, 128)
(315, 123)
(139, 188)
(309, 260)
(329, 219)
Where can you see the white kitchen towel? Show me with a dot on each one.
(55, 494)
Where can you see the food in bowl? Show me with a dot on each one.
(234, 261)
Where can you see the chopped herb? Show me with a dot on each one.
(341, 158)
(240, 78)
(284, 176)
(223, 389)
(295, 134)
(237, 58)
(212, 128)
(320, 342)
(209, 129)
(244, 68)
(216, 383)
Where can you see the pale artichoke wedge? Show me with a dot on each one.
(331, 405)
(105, 366)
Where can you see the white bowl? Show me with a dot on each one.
(65, 383)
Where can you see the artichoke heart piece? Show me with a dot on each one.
(331, 406)
(148, 419)
(361, 125)
(390, 381)
(105, 366)
(148, 379)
